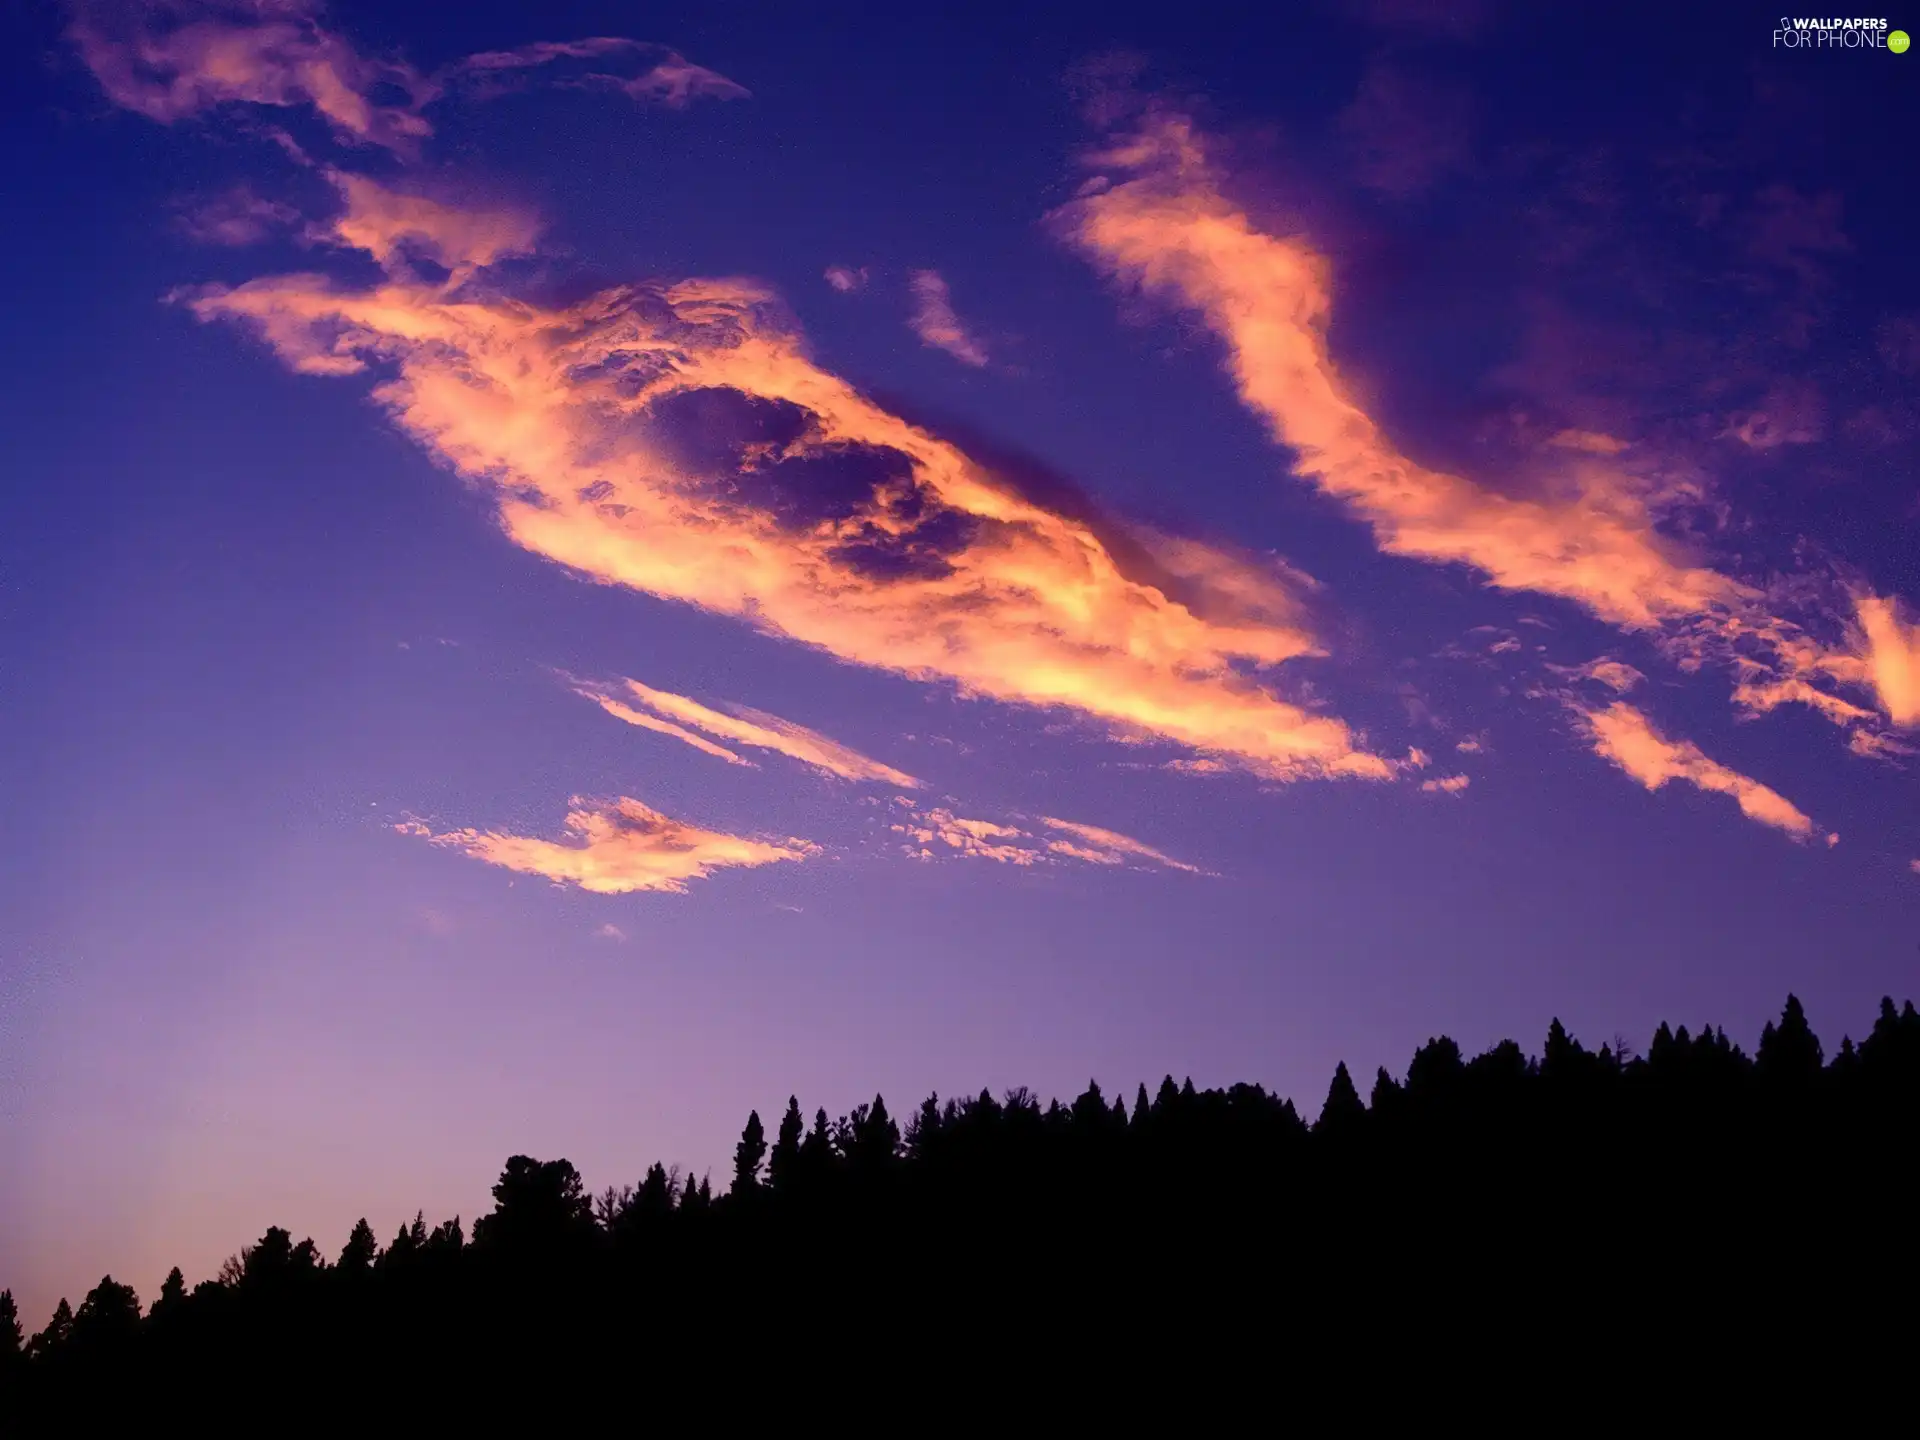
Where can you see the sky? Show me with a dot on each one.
(573, 571)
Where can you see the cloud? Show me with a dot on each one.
(972, 839)
(933, 833)
(660, 76)
(173, 59)
(743, 726)
(1890, 657)
(1109, 847)
(935, 322)
(678, 440)
(610, 931)
(1914, 866)
(1470, 746)
(617, 847)
(845, 279)
(239, 217)
(1450, 785)
(390, 225)
(1624, 736)
(1156, 219)
(1407, 131)
(1791, 414)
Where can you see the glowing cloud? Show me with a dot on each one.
(617, 847)
(386, 223)
(1622, 734)
(744, 727)
(1891, 657)
(678, 440)
(1449, 785)
(935, 322)
(1156, 219)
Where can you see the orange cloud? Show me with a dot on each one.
(678, 440)
(385, 222)
(743, 726)
(1622, 734)
(936, 323)
(1891, 657)
(1450, 785)
(1157, 220)
(616, 848)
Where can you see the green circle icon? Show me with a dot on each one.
(1897, 41)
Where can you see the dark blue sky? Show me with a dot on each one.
(292, 924)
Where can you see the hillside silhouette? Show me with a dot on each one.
(1694, 1196)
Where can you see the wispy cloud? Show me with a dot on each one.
(670, 714)
(1157, 219)
(1447, 785)
(617, 847)
(1626, 737)
(846, 279)
(933, 833)
(238, 217)
(1108, 847)
(936, 323)
(610, 931)
(678, 440)
(1914, 866)
(173, 59)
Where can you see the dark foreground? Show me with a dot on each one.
(1727, 1225)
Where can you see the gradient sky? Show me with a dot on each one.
(559, 592)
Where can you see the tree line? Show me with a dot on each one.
(1695, 1170)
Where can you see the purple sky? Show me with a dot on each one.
(559, 592)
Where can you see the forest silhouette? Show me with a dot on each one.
(1501, 1201)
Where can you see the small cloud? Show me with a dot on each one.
(743, 726)
(1626, 737)
(935, 322)
(1418, 758)
(1588, 442)
(1914, 866)
(1471, 746)
(617, 847)
(1791, 414)
(610, 931)
(1616, 675)
(846, 279)
(1108, 847)
(1451, 785)
(239, 217)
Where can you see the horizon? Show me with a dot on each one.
(576, 575)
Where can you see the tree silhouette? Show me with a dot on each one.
(1446, 1197)
(749, 1155)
